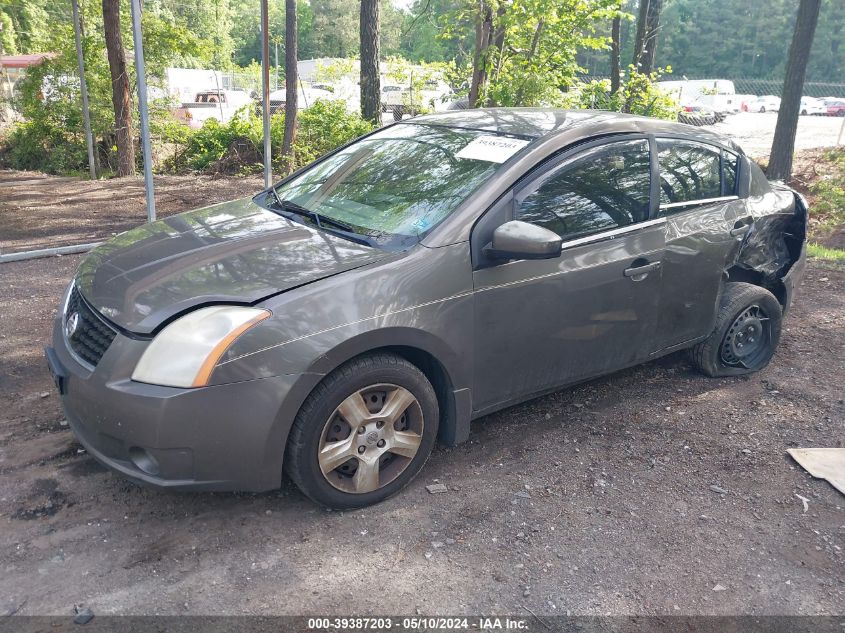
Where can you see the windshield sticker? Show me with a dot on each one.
(493, 149)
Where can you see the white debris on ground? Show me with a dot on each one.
(822, 463)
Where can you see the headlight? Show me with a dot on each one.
(185, 352)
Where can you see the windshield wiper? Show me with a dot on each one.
(346, 230)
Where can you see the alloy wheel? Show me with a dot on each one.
(371, 438)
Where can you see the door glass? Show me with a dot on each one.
(728, 173)
(688, 172)
(603, 188)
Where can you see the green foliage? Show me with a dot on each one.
(210, 143)
(638, 94)
(51, 139)
(828, 193)
(323, 127)
(823, 252)
(433, 32)
(725, 38)
(38, 146)
(533, 52)
(30, 22)
(238, 143)
(8, 41)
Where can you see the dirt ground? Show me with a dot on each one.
(651, 491)
(40, 211)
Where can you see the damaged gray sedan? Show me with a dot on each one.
(340, 323)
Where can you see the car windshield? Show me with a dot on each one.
(396, 185)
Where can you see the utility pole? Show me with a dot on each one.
(265, 90)
(83, 87)
(135, 6)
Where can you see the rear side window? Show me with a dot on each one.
(729, 162)
(603, 188)
(688, 172)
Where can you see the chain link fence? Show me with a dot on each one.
(774, 87)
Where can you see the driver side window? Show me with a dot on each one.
(603, 188)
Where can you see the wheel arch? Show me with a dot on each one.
(446, 370)
(775, 286)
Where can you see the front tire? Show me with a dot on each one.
(364, 432)
(746, 334)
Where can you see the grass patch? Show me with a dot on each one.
(823, 252)
(821, 178)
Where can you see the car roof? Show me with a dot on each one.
(545, 123)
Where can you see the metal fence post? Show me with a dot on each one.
(138, 40)
(265, 90)
(83, 88)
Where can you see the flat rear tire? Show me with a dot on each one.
(746, 333)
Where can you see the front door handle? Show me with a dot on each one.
(741, 227)
(638, 273)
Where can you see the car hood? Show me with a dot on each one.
(235, 252)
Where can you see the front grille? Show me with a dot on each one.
(91, 336)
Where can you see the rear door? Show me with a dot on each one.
(705, 221)
(543, 323)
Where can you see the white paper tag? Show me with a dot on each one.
(493, 149)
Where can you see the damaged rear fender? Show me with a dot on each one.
(773, 252)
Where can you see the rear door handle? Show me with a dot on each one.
(741, 227)
(638, 273)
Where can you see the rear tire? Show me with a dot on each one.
(364, 432)
(746, 333)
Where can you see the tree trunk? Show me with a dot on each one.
(639, 39)
(120, 95)
(498, 39)
(648, 24)
(291, 82)
(783, 145)
(370, 74)
(615, 63)
(483, 37)
(650, 40)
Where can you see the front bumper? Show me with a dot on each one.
(224, 437)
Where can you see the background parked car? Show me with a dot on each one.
(811, 105)
(835, 107)
(766, 103)
(742, 101)
(306, 97)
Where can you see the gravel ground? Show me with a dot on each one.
(651, 491)
(754, 132)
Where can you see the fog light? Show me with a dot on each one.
(144, 460)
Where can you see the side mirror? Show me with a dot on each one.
(523, 240)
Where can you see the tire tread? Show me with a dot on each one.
(295, 447)
(705, 355)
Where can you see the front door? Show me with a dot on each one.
(543, 323)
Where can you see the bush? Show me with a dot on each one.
(238, 146)
(208, 145)
(36, 146)
(323, 127)
(638, 94)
